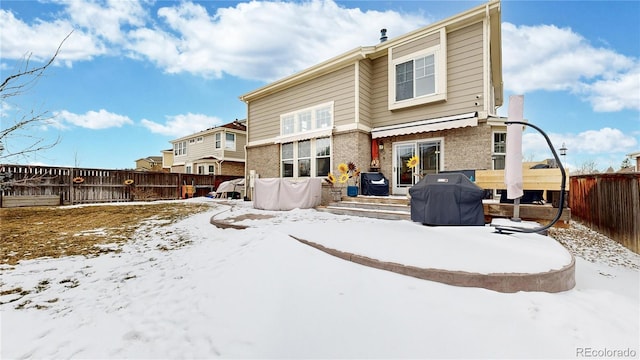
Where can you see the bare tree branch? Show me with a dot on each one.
(5, 88)
(15, 85)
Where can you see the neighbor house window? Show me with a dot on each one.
(307, 120)
(180, 148)
(218, 141)
(199, 139)
(499, 150)
(306, 158)
(212, 169)
(230, 141)
(419, 77)
(201, 169)
(187, 169)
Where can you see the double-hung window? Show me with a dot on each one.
(218, 140)
(180, 148)
(418, 77)
(499, 150)
(230, 141)
(306, 158)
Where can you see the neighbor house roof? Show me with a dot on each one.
(237, 125)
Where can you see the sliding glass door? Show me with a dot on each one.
(429, 162)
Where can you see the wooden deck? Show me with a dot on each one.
(542, 214)
(397, 208)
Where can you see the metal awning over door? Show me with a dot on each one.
(443, 123)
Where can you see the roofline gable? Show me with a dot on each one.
(489, 10)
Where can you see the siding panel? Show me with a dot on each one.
(366, 73)
(416, 45)
(464, 81)
(264, 114)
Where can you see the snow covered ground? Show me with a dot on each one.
(191, 290)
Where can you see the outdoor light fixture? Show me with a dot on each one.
(563, 150)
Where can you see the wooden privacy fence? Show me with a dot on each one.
(609, 204)
(29, 185)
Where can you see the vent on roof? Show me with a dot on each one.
(383, 35)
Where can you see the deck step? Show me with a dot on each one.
(379, 207)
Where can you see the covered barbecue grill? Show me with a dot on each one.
(447, 199)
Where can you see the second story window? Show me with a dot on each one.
(419, 76)
(180, 148)
(307, 120)
(230, 141)
(415, 78)
(218, 141)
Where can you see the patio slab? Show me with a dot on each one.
(461, 256)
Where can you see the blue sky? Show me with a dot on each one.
(134, 75)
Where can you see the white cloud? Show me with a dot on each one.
(105, 21)
(267, 40)
(546, 57)
(41, 39)
(586, 145)
(181, 125)
(262, 40)
(101, 119)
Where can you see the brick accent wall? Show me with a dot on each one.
(232, 168)
(354, 146)
(265, 160)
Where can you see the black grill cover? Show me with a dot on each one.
(447, 199)
(373, 183)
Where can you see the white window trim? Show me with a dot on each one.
(180, 148)
(313, 158)
(313, 131)
(440, 59)
(493, 147)
(235, 140)
(217, 141)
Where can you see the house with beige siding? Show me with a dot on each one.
(150, 163)
(432, 93)
(216, 151)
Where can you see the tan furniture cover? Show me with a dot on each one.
(286, 194)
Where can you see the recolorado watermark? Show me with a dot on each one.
(603, 353)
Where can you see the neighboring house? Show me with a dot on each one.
(635, 158)
(432, 92)
(167, 159)
(219, 151)
(151, 163)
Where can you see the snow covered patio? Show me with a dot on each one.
(472, 256)
(258, 293)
